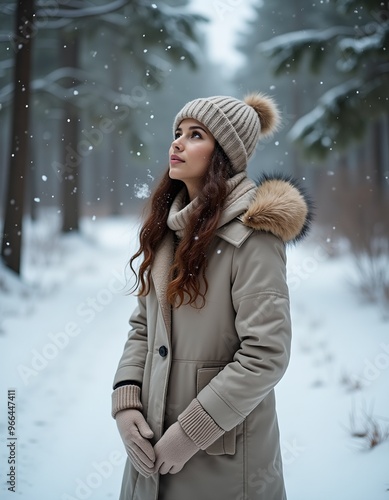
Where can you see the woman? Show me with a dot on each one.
(210, 338)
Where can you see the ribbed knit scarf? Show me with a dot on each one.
(180, 213)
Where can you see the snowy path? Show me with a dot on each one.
(60, 351)
(68, 446)
(335, 337)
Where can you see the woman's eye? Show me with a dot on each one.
(194, 134)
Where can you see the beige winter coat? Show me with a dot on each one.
(230, 354)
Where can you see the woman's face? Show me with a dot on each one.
(190, 154)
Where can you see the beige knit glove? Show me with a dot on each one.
(126, 397)
(194, 430)
(133, 428)
(135, 433)
(173, 450)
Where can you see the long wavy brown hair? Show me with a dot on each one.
(187, 281)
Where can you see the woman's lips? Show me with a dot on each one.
(175, 159)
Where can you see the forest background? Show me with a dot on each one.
(88, 91)
(88, 94)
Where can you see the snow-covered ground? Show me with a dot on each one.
(62, 332)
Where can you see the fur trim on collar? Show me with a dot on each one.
(280, 207)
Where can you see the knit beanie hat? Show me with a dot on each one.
(236, 125)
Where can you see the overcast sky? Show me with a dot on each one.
(227, 18)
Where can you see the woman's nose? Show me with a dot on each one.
(177, 144)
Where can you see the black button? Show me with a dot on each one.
(162, 351)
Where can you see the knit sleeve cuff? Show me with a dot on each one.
(199, 425)
(126, 397)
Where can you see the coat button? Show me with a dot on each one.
(162, 351)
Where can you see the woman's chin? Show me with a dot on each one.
(174, 174)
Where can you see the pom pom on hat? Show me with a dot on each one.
(267, 111)
(236, 125)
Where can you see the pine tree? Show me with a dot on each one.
(360, 44)
(144, 30)
(14, 207)
(293, 92)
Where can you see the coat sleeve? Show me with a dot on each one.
(262, 321)
(132, 362)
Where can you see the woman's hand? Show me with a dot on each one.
(173, 450)
(135, 433)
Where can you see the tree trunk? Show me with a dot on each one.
(386, 155)
(377, 160)
(113, 177)
(32, 191)
(15, 195)
(71, 157)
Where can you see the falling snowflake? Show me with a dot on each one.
(142, 190)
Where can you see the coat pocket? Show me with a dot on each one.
(225, 445)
